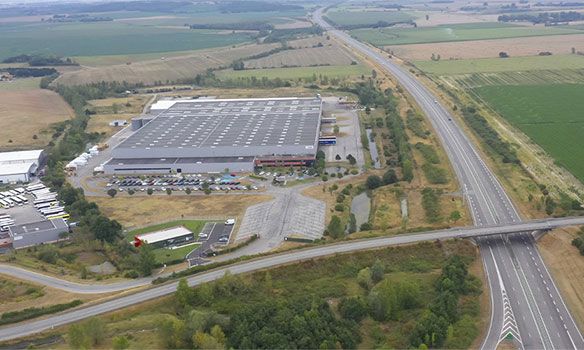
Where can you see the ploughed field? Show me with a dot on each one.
(550, 114)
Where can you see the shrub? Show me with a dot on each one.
(373, 182)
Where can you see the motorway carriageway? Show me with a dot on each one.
(525, 301)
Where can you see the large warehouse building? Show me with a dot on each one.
(202, 136)
(19, 166)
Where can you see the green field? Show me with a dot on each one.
(165, 256)
(297, 72)
(464, 32)
(107, 38)
(216, 17)
(513, 64)
(353, 18)
(551, 114)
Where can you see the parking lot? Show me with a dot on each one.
(194, 182)
(214, 234)
(30, 227)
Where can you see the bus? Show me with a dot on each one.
(44, 200)
(41, 193)
(47, 205)
(12, 193)
(4, 216)
(327, 140)
(16, 200)
(62, 215)
(23, 198)
(4, 204)
(50, 211)
(9, 201)
(35, 187)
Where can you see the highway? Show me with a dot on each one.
(36, 326)
(525, 301)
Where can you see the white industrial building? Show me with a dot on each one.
(19, 166)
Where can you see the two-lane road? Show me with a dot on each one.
(525, 300)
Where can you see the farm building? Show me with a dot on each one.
(171, 237)
(19, 166)
(203, 136)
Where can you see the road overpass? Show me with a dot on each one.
(37, 326)
(525, 300)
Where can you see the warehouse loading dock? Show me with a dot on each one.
(206, 136)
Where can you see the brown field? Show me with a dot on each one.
(169, 69)
(294, 24)
(142, 211)
(309, 42)
(530, 46)
(28, 112)
(567, 268)
(317, 56)
(439, 18)
(125, 108)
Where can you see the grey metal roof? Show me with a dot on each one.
(230, 123)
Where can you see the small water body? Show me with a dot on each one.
(373, 150)
(360, 207)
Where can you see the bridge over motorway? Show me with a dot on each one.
(37, 326)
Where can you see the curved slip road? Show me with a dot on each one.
(525, 301)
(71, 287)
(28, 328)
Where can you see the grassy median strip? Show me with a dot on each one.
(33, 312)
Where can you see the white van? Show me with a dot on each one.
(230, 222)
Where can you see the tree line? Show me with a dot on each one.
(545, 17)
(481, 126)
(39, 60)
(31, 72)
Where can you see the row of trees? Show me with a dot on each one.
(545, 17)
(489, 135)
(39, 60)
(31, 72)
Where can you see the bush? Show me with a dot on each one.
(434, 174)
(389, 177)
(431, 205)
(339, 207)
(366, 227)
(353, 308)
(373, 182)
(112, 192)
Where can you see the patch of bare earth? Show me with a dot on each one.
(26, 113)
(567, 268)
(531, 46)
(440, 18)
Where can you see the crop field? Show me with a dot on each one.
(298, 72)
(26, 111)
(317, 56)
(107, 38)
(513, 64)
(549, 114)
(167, 69)
(352, 18)
(458, 32)
(526, 46)
(216, 17)
(473, 80)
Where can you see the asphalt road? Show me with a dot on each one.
(36, 326)
(525, 300)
